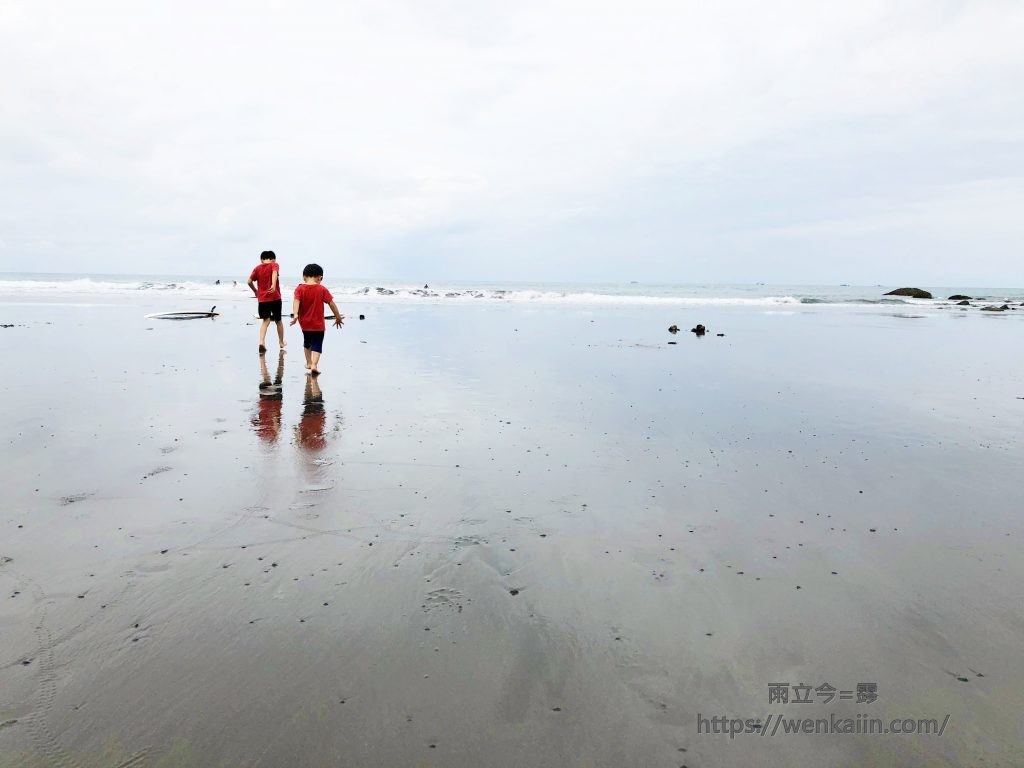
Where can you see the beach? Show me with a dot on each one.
(509, 534)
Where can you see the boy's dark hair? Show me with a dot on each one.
(268, 256)
(312, 270)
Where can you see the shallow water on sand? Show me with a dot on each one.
(507, 536)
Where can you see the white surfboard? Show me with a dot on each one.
(182, 315)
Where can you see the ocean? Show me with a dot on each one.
(78, 287)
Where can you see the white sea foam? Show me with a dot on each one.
(98, 287)
(185, 288)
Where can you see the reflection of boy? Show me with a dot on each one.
(267, 423)
(308, 308)
(265, 284)
(311, 434)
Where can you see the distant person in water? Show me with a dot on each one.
(308, 311)
(265, 283)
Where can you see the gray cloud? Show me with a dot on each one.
(541, 140)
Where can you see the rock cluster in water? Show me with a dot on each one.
(914, 293)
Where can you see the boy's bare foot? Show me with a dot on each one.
(283, 344)
(262, 349)
(314, 372)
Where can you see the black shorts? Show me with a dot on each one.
(270, 310)
(313, 341)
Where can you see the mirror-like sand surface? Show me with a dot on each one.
(508, 536)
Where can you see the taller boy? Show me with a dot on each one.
(267, 287)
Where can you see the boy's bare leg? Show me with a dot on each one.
(280, 335)
(309, 361)
(314, 358)
(263, 334)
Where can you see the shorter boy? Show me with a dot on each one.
(308, 311)
(265, 284)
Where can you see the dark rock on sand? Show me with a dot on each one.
(700, 330)
(362, 317)
(958, 297)
(914, 293)
(996, 309)
(963, 303)
(721, 334)
(673, 329)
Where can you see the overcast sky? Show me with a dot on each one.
(787, 141)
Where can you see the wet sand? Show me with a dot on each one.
(507, 536)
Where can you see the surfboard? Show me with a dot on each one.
(183, 315)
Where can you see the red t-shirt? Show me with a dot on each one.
(312, 297)
(261, 275)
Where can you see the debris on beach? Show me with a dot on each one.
(73, 498)
(673, 328)
(700, 330)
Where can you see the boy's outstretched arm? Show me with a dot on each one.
(339, 319)
(295, 312)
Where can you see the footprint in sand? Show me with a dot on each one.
(444, 600)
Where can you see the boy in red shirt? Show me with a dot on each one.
(265, 284)
(308, 311)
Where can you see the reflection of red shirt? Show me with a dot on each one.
(261, 275)
(312, 298)
(268, 419)
(312, 431)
